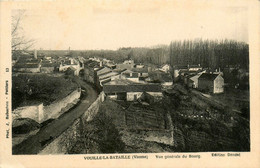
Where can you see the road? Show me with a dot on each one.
(33, 145)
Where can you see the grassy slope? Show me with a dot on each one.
(202, 126)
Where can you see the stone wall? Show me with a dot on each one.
(64, 142)
(31, 112)
(165, 136)
(41, 113)
(55, 109)
(93, 109)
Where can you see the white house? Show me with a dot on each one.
(165, 68)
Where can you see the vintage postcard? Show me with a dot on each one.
(130, 83)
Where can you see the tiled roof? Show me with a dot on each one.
(120, 70)
(107, 75)
(132, 88)
(126, 71)
(103, 70)
(208, 76)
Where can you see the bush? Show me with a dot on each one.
(101, 132)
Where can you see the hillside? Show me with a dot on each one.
(203, 124)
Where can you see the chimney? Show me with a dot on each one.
(101, 63)
(35, 54)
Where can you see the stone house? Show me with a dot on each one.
(131, 91)
(89, 70)
(213, 83)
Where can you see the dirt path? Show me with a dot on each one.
(34, 144)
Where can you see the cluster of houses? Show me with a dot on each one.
(194, 76)
(127, 80)
(39, 63)
(130, 81)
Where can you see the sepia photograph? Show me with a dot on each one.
(130, 83)
(130, 79)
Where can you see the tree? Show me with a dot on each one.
(19, 41)
(101, 133)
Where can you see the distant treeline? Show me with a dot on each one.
(208, 53)
(156, 55)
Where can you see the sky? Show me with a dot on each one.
(115, 24)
